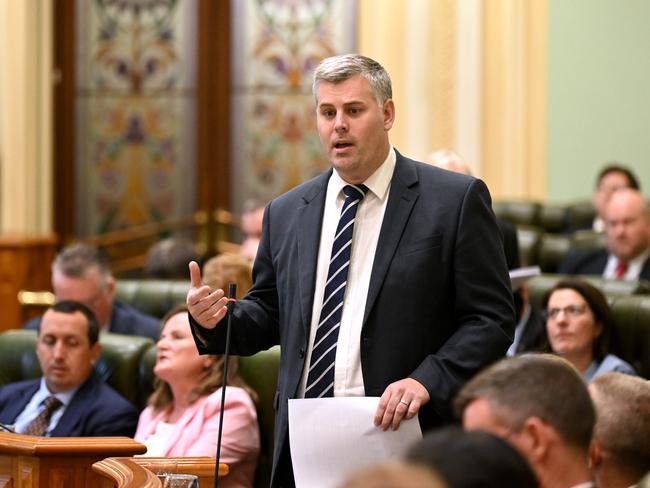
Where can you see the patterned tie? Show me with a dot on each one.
(621, 269)
(39, 425)
(320, 380)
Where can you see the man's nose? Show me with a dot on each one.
(341, 123)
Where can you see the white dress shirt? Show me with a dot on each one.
(35, 407)
(348, 379)
(634, 267)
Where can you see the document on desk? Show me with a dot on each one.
(330, 437)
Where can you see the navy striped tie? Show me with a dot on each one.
(320, 380)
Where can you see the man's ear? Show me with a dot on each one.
(595, 455)
(95, 351)
(389, 114)
(110, 287)
(536, 437)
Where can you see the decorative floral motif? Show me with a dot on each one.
(135, 110)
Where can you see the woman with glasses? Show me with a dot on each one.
(578, 328)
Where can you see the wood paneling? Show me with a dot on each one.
(59, 462)
(24, 265)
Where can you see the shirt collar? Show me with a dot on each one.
(378, 182)
(65, 397)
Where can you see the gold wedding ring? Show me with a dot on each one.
(402, 401)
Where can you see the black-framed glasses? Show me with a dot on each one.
(570, 311)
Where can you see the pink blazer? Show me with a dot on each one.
(195, 433)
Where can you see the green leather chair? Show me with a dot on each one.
(552, 249)
(154, 297)
(631, 316)
(529, 239)
(119, 363)
(612, 289)
(580, 215)
(588, 240)
(553, 218)
(522, 212)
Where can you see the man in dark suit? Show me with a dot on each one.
(69, 399)
(427, 300)
(627, 228)
(80, 273)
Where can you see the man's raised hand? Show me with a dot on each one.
(205, 305)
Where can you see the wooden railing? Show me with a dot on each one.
(136, 472)
(127, 248)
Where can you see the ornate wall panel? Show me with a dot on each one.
(275, 46)
(135, 112)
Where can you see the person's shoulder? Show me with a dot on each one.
(16, 387)
(129, 320)
(234, 396)
(32, 324)
(611, 362)
(110, 399)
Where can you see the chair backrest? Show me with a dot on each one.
(552, 250)
(529, 238)
(580, 215)
(260, 371)
(153, 297)
(588, 240)
(119, 363)
(612, 289)
(518, 211)
(553, 218)
(631, 316)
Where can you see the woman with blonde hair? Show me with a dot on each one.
(182, 416)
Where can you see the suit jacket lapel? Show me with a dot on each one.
(310, 218)
(76, 409)
(14, 408)
(401, 199)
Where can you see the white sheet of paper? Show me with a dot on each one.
(330, 437)
(519, 276)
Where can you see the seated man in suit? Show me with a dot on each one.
(627, 227)
(540, 404)
(69, 399)
(80, 273)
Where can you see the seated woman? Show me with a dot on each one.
(182, 416)
(578, 328)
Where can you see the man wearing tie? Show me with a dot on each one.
(70, 399)
(381, 277)
(627, 228)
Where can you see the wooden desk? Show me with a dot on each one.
(58, 462)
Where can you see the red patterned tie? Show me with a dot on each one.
(42, 420)
(621, 269)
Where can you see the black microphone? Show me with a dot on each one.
(232, 293)
(7, 428)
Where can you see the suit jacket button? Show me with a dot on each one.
(301, 353)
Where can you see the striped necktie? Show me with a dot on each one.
(320, 379)
(39, 425)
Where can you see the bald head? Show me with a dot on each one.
(449, 160)
(627, 224)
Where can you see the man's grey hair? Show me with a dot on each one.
(75, 260)
(337, 69)
(534, 385)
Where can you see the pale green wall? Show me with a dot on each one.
(598, 92)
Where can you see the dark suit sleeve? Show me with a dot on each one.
(255, 319)
(483, 312)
